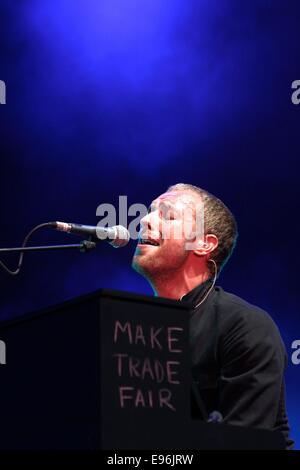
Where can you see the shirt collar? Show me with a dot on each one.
(195, 295)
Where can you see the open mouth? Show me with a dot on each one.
(147, 241)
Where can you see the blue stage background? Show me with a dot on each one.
(115, 97)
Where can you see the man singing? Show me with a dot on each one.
(238, 357)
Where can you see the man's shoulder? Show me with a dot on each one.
(233, 310)
(247, 327)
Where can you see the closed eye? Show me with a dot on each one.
(167, 211)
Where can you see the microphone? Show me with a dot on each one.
(118, 236)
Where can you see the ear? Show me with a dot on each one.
(208, 246)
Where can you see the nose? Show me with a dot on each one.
(149, 223)
(145, 223)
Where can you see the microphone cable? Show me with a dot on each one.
(25, 241)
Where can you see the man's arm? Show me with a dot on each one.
(252, 360)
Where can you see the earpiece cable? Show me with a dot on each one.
(211, 287)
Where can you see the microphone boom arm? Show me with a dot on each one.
(84, 246)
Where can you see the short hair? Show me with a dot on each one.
(218, 220)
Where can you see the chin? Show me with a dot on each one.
(144, 268)
(137, 265)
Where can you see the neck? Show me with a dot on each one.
(175, 285)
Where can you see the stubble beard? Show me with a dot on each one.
(158, 268)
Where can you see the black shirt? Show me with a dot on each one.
(238, 360)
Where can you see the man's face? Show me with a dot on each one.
(164, 233)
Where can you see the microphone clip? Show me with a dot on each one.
(87, 245)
